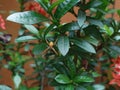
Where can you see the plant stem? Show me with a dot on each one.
(42, 81)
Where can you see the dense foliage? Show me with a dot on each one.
(71, 56)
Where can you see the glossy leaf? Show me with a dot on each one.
(27, 17)
(95, 3)
(64, 7)
(84, 45)
(4, 87)
(108, 30)
(50, 28)
(63, 45)
(32, 29)
(117, 37)
(17, 81)
(62, 79)
(25, 38)
(79, 79)
(72, 67)
(61, 68)
(39, 48)
(92, 40)
(81, 18)
(55, 4)
(99, 87)
(96, 22)
(70, 26)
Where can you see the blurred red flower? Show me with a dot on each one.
(2, 23)
(34, 6)
(116, 71)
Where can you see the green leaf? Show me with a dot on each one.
(108, 30)
(50, 28)
(70, 26)
(63, 45)
(38, 49)
(117, 37)
(54, 5)
(64, 87)
(23, 87)
(25, 38)
(95, 3)
(34, 88)
(61, 68)
(17, 81)
(4, 87)
(92, 30)
(62, 79)
(98, 87)
(96, 22)
(95, 74)
(84, 45)
(80, 88)
(27, 17)
(32, 29)
(81, 18)
(69, 87)
(92, 40)
(43, 4)
(64, 7)
(79, 79)
(71, 66)
(118, 12)
(27, 47)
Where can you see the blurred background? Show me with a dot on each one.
(10, 6)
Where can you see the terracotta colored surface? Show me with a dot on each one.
(7, 6)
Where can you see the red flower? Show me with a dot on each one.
(34, 6)
(2, 22)
(116, 71)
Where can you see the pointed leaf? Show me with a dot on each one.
(70, 26)
(61, 68)
(50, 28)
(63, 45)
(64, 7)
(81, 18)
(54, 5)
(84, 45)
(25, 38)
(79, 79)
(63, 79)
(27, 17)
(92, 40)
(92, 30)
(96, 22)
(108, 30)
(98, 87)
(32, 29)
(42, 3)
(4, 87)
(71, 65)
(17, 81)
